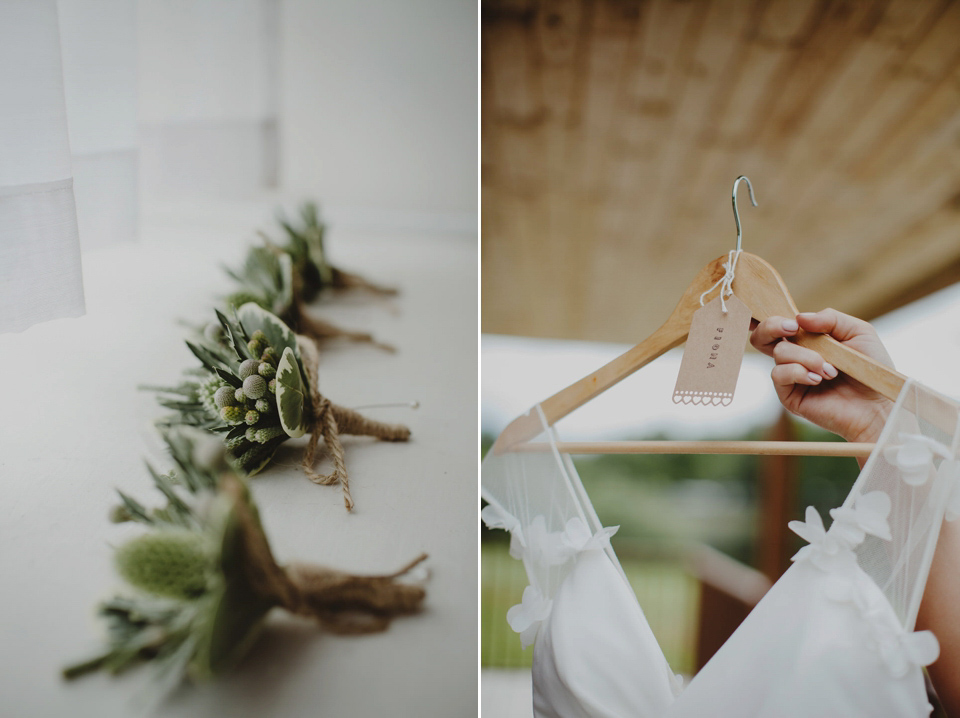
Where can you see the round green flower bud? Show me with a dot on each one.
(262, 405)
(239, 395)
(256, 347)
(259, 336)
(267, 371)
(272, 386)
(252, 417)
(262, 436)
(224, 397)
(250, 434)
(167, 563)
(232, 414)
(254, 386)
(248, 368)
(269, 433)
(270, 355)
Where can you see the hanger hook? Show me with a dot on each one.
(736, 214)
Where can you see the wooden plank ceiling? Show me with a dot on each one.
(612, 132)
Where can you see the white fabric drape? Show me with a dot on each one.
(208, 106)
(98, 40)
(40, 275)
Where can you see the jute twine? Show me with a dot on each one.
(330, 421)
(322, 330)
(348, 280)
(319, 329)
(341, 602)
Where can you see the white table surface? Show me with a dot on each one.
(74, 428)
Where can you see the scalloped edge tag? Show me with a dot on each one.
(713, 354)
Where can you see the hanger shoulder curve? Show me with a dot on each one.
(761, 288)
(670, 334)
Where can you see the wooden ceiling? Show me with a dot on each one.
(612, 132)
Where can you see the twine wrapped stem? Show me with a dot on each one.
(330, 421)
(348, 280)
(322, 330)
(340, 602)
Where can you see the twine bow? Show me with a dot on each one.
(726, 281)
(332, 420)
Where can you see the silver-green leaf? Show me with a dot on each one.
(291, 395)
(280, 336)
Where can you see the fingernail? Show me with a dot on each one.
(807, 315)
(790, 325)
(830, 370)
(815, 378)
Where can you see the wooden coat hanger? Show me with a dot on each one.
(760, 287)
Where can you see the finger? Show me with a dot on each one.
(787, 376)
(770, 331)
(837, 324)
(787, 352)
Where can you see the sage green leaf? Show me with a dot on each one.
(291, 396)
(230, 378)
(253, 317)
(205, 356)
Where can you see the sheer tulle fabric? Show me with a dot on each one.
(833, 637)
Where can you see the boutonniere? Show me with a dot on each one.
(284, 277)
(202, 578)
(305, 246)
(258, 387)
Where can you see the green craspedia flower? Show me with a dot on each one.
(224, 397)
(168, 563)
(248, 368)
(232, 414)
(260, 337)
(254, 386)
(252, 417)
(267, 371)
(270, 356)
(272, 386)
(262, 405)
(239, 395)
(250, 434)
(262, 436)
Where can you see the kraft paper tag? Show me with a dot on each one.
(713, 354)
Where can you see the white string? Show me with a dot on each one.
(726, 281)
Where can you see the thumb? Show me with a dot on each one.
(837, 324)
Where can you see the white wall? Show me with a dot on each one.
(378, 108)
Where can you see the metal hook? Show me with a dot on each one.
(736, 214)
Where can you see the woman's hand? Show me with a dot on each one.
(810, 387)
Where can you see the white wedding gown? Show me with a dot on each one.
(833, 637)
